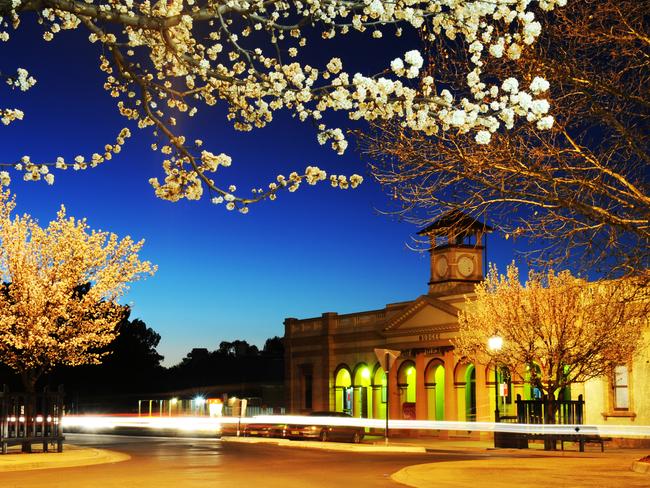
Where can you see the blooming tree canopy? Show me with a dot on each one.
(573, 330)
(59, 291)
(168, 59)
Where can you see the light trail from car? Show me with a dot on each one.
(215, 424)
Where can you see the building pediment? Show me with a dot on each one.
(423, 314)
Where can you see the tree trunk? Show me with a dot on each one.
(550, 441)
(29, 378)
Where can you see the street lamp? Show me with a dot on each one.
(495, 343)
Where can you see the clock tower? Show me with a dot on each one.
(457, 251)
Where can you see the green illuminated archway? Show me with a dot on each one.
(362, 406)
(379, 393)
(434, 382)
(406, 377)
(343, 389)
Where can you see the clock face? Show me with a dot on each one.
(441, 266)
(465, 266)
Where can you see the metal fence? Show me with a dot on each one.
(537, 411)
(31, 418)
(251, 411)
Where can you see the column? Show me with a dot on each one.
(421, 408)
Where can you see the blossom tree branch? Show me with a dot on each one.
(171, 58)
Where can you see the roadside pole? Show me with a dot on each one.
(387, 398)
(386, 358)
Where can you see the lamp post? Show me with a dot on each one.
(495, 343)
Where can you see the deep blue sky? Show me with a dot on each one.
(222, 276)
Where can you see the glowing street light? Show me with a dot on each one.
(495, 343)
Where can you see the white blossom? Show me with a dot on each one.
(539, 85)
(483, 137)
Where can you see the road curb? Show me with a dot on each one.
(71, 457)
(641, 467)
(327, 446)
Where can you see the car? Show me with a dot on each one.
(265, 430)
(325, 432)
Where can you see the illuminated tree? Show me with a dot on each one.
(573, 330)
(61, 283)
(579, 189)
(167, 59)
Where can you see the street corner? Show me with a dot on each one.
(532, 472)
(351, 447)
(249, 440)
(642, 466)
(71, 457)
(328, 446)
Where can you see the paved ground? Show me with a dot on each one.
(201, 463)
(178, 462)
(532, 468)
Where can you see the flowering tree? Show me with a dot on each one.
(572, 329)
(170, 58)
(579, 188)
(60, 285)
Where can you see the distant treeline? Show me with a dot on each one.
(133, 369)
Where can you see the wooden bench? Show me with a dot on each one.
(580, 439)
(583, 439)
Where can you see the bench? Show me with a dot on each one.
(583, 439)
(580, 439)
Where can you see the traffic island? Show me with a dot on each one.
(642, 465)
(71, 457)
(328, 446)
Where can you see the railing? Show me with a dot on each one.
(254, 410)
(31, 418)
(536, 411)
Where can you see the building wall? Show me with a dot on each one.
(600, 394)
(422, 330)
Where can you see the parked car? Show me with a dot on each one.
(324, 433)
(265, 430)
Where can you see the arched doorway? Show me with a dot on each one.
(470, 393)
(434, 383)
(465, 383)
(379, 393)
(362, 404)
(406, 385)
(343, 389)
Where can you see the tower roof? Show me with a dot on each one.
(455, 221)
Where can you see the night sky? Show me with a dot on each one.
(222, 275)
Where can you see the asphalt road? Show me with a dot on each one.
(159, 462)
